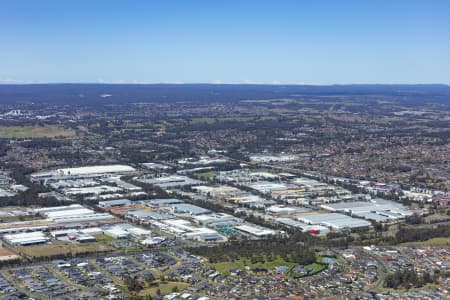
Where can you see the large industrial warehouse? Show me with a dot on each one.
(186, 208)
(26, 238)
(89, 171)
(333, 220)
(378, 210)
(108, 169)
(72, 214)
(255, 230)
(313, 229)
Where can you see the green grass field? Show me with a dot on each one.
(225, 267)
(316, 267)
(165, 288)
(103, 238)
(20, 132)
(203, 120)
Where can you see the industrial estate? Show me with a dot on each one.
(264, 200)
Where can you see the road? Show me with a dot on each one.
(382, 271)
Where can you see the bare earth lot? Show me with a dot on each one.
(55, 249)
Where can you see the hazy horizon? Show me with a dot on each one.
(226, 83)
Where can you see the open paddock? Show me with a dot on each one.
(51, 250)
(21, 132)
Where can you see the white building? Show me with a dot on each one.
(107, 169)
(255, 230)
(26, 238)
(117, 233)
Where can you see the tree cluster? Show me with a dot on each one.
(405, 235)
(258, 251)
(407, 279)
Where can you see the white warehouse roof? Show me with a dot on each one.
(65, 213)
(72, 213)
(256, 230)
(26, 238)
(333, 220)
(96, 170)
(56, 208)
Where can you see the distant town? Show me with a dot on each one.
(224, 192)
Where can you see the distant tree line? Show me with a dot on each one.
(37, 143)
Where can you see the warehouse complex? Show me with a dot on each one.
(101, 182)
(74, 213)
(333, 220)
(256, 231)
(313, 229)
(277, 198)
(26, 238)
(89, 171)
(378, 210)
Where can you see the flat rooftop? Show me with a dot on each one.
(333, 220)
(96, 170)
(364, 207)
(255, 230)
(189, 208)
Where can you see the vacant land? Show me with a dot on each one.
(205, 175)
(7, 255)
(164, 288)
(440, 241)
(50, 131)
(9, 219)
(50, 250)
(4, 252)
(103, 238)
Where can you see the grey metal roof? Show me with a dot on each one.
(115, 202)
(162, 201)
(189, 208)
(142, 213)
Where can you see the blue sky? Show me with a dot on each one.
(313, 42)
